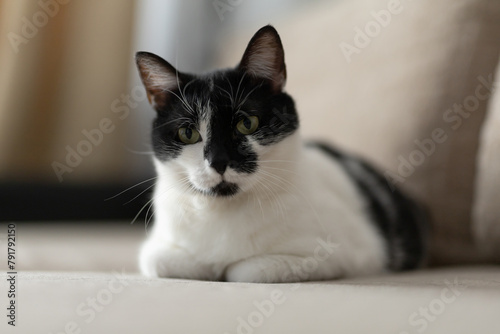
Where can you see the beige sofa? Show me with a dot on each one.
(84, 280)
(382, 96)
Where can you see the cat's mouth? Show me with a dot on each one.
(223, 189)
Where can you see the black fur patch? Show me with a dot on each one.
(401, 221)
(225, 189)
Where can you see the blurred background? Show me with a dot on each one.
(68, 65)
(409, 85)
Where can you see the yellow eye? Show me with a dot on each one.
(248, 125)
(188, 135)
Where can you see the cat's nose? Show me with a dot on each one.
(217, 158)
(220, 166)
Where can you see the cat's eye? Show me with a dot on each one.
(188, 135)
(248, 125)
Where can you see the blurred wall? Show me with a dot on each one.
(72, 108)
(62, 66)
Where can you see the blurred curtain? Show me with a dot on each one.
(62, 65)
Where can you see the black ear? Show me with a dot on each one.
(159, 77)
(265, 58)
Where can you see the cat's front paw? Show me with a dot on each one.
(245, 272)
(268, 269)
(159, 259)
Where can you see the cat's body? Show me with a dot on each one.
(240, 197)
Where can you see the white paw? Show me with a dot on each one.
(280, 269)
(262, 269)
(244, 271)
(158, 259)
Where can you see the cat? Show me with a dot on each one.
(241, 197)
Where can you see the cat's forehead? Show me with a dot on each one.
(221, 91)
(225, 83)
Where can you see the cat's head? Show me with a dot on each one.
(216, 132)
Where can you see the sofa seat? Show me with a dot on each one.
(448, 300)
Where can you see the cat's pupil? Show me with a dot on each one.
(189, 133)
(247, 123)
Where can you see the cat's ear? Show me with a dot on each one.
(159, 77)
(265, 58)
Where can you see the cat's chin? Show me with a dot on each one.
(223, 189)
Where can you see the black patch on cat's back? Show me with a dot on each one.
(401, 221)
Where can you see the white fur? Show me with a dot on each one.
(274, 230)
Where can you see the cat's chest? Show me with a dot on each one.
(231, 232)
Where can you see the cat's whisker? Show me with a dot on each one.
(184, 200)
(275, 199)
(183, 185)
(275, 183)
(288, 161)
(261, 189)
(239, 86)
(146, 220)
(300, 192)
(279, 169)
(182, 100)
(139, 152)
(261, 208)
(142, 209)
(233, 97)
(180, 183)
(279, 204)
(183, 95)
(247, 96)
(230, 85)
(228, 94)
(130, 188)
(185, 119)
(142, 192)
(145, 205)
(185, 87)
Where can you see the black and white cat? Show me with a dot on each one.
(239, 195)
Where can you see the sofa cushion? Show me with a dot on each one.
(455, 300)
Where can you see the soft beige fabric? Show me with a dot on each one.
(102, 259)
(70, 246)
(487, 196)
(455, 301)
(398, 90)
